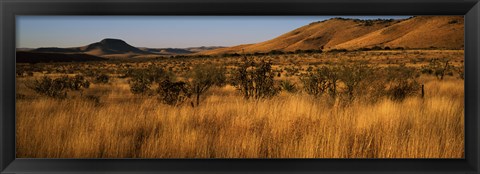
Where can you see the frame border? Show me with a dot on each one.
(10, 8)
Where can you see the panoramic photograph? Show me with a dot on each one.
(189, 87)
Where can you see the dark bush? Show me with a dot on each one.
(402, 82)
(255, 80)
(368, 23)
(142, 79)
(77, 83)
(452, 22)
(264, 84)
(307, 51)
(364, 49)
(275, 52)
(140, 86)
(376, 48)
(173, 93)
(102, 78)
(400, 91)
(354, 76)
(461, 72)
(288, 86)
(338, 50)
(54, 88)
(314, 83)
(57, 88)
(332, 76)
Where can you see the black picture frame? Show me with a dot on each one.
(10, 8)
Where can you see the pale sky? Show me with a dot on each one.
(159, 31)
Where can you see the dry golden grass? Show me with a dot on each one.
(444, 32)
(227, 126)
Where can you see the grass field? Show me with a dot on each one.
(119, 124)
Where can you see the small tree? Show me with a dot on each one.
(314, 83)
(322, 80)
(332, 75)
(263, 80)
(173, 93)
(353, 74)
(205, 76)
(438, 67)
(142, 79)
(255, 79)
(242, 78)
(140, 83)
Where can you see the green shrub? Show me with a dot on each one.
(205, 76)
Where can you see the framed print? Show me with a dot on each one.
(248, 87)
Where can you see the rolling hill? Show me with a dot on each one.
(442, 32)
(116, 48)
(420, 32)
(111, 46)
(102, 48)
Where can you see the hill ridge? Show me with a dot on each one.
(444, 32)
(111, 47)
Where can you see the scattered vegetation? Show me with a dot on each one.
(340, 104)
(142, 79)
(57, 88)
(173, 93)
(102, 78)
(288, 86)
(452, 22)
(255, 80)
(205, 76)
(439, 68)
(403, 82)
